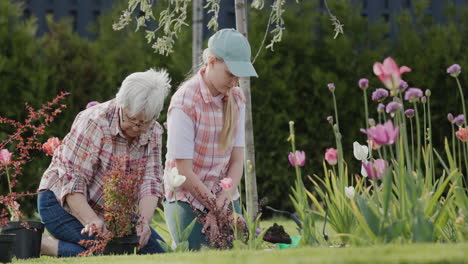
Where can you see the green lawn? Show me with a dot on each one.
(416, 253)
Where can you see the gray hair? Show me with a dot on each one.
(144, 92)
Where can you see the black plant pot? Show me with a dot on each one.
(6, 247)
(122, 245)
(28, 240)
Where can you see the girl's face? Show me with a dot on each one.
(219, 77)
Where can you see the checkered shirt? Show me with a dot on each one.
(89, 149)
(210, 162)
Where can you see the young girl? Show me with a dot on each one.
(206, 135)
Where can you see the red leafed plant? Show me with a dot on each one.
(23, 139)
(121, 188)
(225, 226)
(120, 194)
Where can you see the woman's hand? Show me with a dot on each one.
(240, 222)
(222, 201)
(94, 226)
(211, 224)
(144, 232)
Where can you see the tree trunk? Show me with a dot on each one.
(197, 33)
(250, 178)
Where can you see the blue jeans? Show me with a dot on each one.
(67, 229)
(185, 215)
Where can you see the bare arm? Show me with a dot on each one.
(146, 206)
(84, 213)
(236, 168)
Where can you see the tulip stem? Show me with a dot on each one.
(412, 143)
(177, 217)
(425, 128)
(418, 137)
(431, 154)
(453, 142)
(366, 110)
(8, 179)
(459, 154)
(338, 141)
(462, 97)
(404, 134)
(299, 183)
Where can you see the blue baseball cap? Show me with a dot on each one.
(234, 49)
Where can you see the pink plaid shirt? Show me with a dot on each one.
(87, 152)
(210, 162)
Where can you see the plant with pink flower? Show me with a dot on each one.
(51, 145)
(374, 170)
(226, 183)
(390, 74)
(297, 159)
(462, 133)
(5, 157)
(385, 134)
(331, 156)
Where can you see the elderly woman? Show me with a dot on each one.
(71, 190)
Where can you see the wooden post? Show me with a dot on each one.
(250, 178)
(197, 33)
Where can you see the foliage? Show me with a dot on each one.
(23, 141)
(36, 69)
(120, 195)
(174, 16)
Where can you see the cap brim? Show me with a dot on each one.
(241, 68)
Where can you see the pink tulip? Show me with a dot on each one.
(226, 183)
(385, 134)
(389, 73)
(375, 169)
(462, 133)
(50, 146)
(300, 158)
(331, 156)
(5, 156)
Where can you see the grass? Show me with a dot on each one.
(414, 253)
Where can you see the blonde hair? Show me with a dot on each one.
(229, 108)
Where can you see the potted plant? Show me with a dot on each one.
(120, 195)
(24, 235)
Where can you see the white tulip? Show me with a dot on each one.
(363, 171)
(361, 152)
(172, 178)
(349, 191)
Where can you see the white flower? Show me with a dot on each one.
(363, 171)
(349, 191)
(361, 152)
(172, 178)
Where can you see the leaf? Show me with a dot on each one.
(188, 230)
(369, 214)
(422, 229)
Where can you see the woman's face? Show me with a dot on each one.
(133, 126)
(220, 77)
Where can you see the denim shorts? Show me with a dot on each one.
(67, 229)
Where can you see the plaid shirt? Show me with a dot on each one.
(210, 162)
(88, 151)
